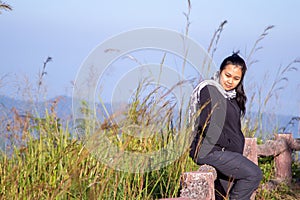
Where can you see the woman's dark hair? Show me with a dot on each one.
(241, 97)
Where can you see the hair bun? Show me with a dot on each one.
(235, 53)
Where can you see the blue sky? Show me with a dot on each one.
(69, 30)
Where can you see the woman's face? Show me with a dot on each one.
(230, 76)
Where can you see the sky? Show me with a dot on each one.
(69, 30)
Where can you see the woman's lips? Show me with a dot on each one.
(228, 86)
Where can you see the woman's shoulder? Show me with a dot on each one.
(210, 89)
(206, 84)
(206, 89)
(208, 93)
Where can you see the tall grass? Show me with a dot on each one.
(4, 6)
(261, 96)
(54, 164)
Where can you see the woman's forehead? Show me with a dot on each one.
(233, 69)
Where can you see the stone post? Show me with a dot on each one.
(199, 184)
(283, 161)
(250, 149)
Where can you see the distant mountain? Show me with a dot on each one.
(63, 108)
(63, 105)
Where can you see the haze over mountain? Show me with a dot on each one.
(63, 109)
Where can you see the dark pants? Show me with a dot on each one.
(235, 172)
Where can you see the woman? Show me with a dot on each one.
(216, 108)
